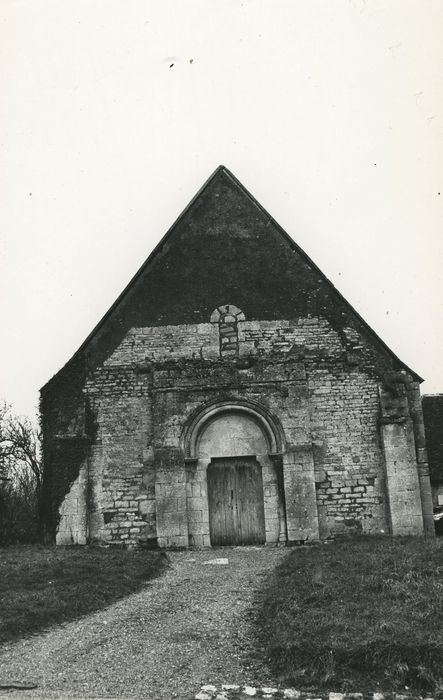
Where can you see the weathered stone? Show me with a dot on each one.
(221, 561)
(176, 379)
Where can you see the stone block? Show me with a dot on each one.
(199, 528)
(196, 490)
(146, 507)
(272, 535)
(166, 490)
(196, 503)
(402, 478)
(167, 504)
(195, 516)
(195, 540)
(178, 541)
(301, 501)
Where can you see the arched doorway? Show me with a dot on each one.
(232, 441)
(233, 475)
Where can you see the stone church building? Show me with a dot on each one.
(232, 396)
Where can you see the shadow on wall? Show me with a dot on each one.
(69, 429)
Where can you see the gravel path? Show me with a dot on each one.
(187, 628)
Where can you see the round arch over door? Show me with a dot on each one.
(232, 478)
(231, 441)
(230, 434)
(197, 423)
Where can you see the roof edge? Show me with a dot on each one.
(139, 272)
(281, 231)
(309, 260)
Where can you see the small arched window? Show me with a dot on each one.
(227, 317)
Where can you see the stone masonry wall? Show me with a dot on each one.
(202, 340)
(123, 494)
(321, 385)
(337, 409)
(402, 432)
(350, 478)
(181, 389)
(112, 417)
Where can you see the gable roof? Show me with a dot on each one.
(263, 221)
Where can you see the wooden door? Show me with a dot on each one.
(235, 498)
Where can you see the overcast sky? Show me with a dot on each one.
(114, 113)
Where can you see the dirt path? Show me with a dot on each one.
(188, 628)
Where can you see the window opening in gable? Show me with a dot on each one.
(227, 317)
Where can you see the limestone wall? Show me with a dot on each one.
(350, 475)
(202, 340)
(124, 487)
(321, 386)
(114, 416)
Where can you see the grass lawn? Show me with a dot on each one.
(42, 586)
(356, 614)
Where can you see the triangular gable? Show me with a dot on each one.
(225, 247)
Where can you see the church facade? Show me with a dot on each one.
(232, 396)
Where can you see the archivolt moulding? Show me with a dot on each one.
(270, 426)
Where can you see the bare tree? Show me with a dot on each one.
(20, 478)
(20, 444)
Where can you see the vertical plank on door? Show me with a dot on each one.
(235, 499)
